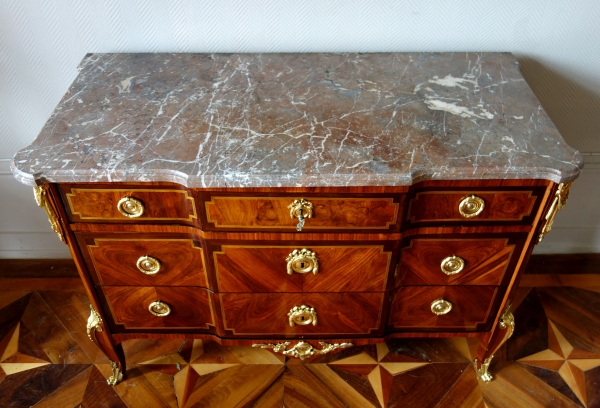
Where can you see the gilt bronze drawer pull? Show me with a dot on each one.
(159, 309)
(148, 265)
(302, 315)
(452, 265)
(471, 206)
(441, 307)
(302, 261)
(130, 207)
(301, 209)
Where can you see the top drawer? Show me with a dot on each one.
(267, 213)
(137, 205)
(473, 206)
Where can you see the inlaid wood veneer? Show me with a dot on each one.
(264, 268)
(182, 220)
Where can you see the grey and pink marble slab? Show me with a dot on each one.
(280, 120)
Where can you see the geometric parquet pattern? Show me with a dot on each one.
(552, 360)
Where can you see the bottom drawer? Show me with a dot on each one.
(459, 307)
(270, 313)
(159, 307)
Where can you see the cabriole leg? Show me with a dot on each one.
(114, 352)
(501, 335)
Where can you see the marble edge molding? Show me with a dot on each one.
(278, 180)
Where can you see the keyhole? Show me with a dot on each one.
(301, 264)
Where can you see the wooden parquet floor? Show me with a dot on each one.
(553, 360)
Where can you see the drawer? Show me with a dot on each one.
(275, 213)
(143, 260)
(183, 308)
(459, 261)
(309, 268)
(268, 313)
(472, 307)
(129, 205)
(472, 206)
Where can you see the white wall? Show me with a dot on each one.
(42, 41)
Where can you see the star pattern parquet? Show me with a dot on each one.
(553, 359)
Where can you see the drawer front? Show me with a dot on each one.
(190, 308)
(458, 261)
(337, 313)
(473, 307)
(445, 206)
(129, 205)
(260, 269)
(142, 261)
(269, 213)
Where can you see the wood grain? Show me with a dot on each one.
(472, 307)
(114, 256)
(190, 307)
(337, 313)
(486, 261)
(443, 206)
(98, 203)
(268, 213)
(264, 269)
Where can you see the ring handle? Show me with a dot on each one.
(130, 207)
(441, 307)
(452, 265)
(302, 315)
(148, 265)
(160, 309)
(471, 206)
(302, 261)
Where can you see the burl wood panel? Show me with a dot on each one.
(234, 212)
(264, 269)
(443, 206)
(472, 306)
(190, 307)
(90, 204)
(114, 259)
(486, 261)
(267, 313)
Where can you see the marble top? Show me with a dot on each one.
(280, 120)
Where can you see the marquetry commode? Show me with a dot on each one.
(299, 202)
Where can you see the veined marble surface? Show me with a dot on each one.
(278, 120)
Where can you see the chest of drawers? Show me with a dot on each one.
(303, 203)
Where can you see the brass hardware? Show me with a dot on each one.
(116, 376)
(471, 206)
(507, 322)
(160, 309)
(301, 209)
(483, 372)
(302, 261)
(452, 265)
(302, 315)
(93, 324)
(441, 307)
(148, 265)
(560, 200)
(130, 207)
(42, 201)
(302, 349)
